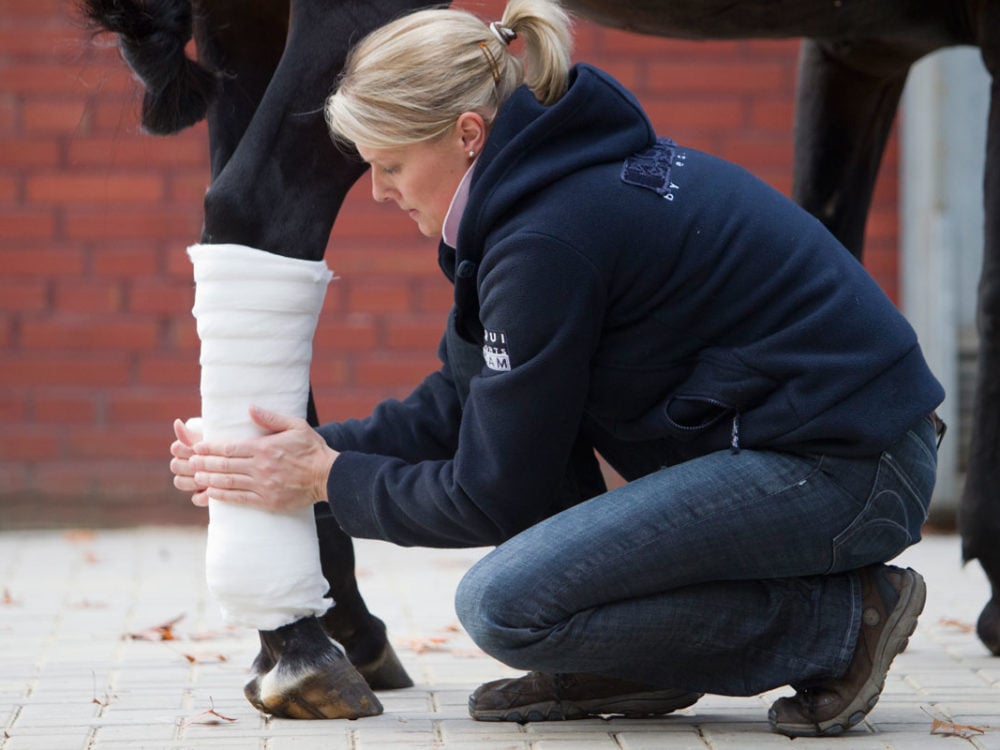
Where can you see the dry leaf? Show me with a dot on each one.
(107, 700)
(80, 535)
(947, 729)
(209, 716)
(8, 600)
(162, 632)
(949, 622)
(421, 645)
(192, 659)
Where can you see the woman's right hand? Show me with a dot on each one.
(182, 449)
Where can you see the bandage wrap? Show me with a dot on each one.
(256, 315)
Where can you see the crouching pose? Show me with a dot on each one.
(619, 293)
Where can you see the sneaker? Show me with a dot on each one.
(891, 600)
(559, 697)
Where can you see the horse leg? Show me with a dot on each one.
(362, 635)
(846, 100)
(979, 507)
(286, 138)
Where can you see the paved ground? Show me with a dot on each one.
(82, 666)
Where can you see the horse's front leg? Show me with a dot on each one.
(979, 508)
(279, 191)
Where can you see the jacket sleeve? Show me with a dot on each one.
(423, 426)
(518, 426)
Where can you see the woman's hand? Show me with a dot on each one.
(182, 450)
(286, 469)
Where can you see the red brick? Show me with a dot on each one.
(772, 113)
(12, 407)
(75, 296)
(104, 188)
(44, 261)
(96, 332)
(127, 225)
(397, 371)
(329, 370)
(13, 479)
(722, 113)
(27, 444)
(68, 115)
(138, 150)
(8, 113)
(52, 78)
(26, 224)
(25, 10)
(9, 189)
(383, 296)
(353, 334)
(29, 152)
(160, 406)
(135, 259)
(350, 403)
(64, 409)
(110, 369)
(189, 186)
(160, 297)
(41, 42)
(738, 77)
(163, 369)
(22, 295)
(421, 334)
(435, 297)
(123, 442)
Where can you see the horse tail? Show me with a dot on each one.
(152, 35)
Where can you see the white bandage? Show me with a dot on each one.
(256, 316)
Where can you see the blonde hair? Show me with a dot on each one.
(409, 81)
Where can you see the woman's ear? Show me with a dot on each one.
(471, 130)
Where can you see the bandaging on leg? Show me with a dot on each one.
(256, 314)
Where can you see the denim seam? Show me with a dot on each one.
(850, 642)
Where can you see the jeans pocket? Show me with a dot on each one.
(890, 521)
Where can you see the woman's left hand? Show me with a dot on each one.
(284, 470)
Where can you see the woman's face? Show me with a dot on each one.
(422, 178)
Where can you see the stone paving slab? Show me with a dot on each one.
(75, 676)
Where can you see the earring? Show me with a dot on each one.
(472, 154)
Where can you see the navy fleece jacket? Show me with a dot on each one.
(632, 295)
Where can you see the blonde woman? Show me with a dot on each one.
(616, 292)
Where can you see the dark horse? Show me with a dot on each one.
(264, 69)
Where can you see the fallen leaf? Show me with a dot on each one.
(107, 700)
(80, 535)
(162, 632)
(947, 729)
(209, 716)
(949, 622)
(8, 600)
(192, 659)
(421, 645)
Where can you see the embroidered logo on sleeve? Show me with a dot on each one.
(651, 168)
(495, 350)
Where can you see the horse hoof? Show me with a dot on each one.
(301, 674)
(988, 626)
(386, 672)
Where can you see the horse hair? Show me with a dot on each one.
(152, 38)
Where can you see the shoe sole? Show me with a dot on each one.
(895, 637)
(635, 706)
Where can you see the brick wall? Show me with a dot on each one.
(98, 351)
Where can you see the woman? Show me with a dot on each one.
(769, 407)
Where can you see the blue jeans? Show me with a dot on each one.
(728, 574)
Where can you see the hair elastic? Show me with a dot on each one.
(505, 34)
